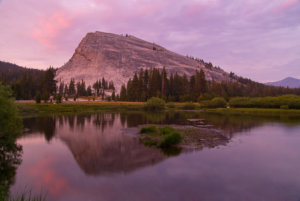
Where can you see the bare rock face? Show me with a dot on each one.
(118, 57)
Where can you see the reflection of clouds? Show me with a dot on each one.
(48, 178)
(264, 166)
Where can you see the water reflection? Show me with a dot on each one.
(92, 157)
(99, 145)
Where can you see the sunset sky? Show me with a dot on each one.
(258, 39)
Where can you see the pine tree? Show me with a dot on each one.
(66, 91)
(123, 96)
(49, 81)
(61, 88)
(146, 84)
(164, 83)
(72, 90)
(113, 96)
(203, 84)
(89, 90)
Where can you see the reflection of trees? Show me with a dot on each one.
(102, 120)
(44, 125)
(71, 120)
(80, 121)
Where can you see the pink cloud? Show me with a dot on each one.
(286, 5)
(50, 28)
(48, 178)
(194, 9)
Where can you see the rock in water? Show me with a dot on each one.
(117, 58)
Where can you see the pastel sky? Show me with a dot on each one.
(258, 39)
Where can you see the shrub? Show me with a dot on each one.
(149, 129)
(239, 102)
(217, 102)
(166, 130)
(170, 140)
(189, 106)
(286, 101)
(155, 104)
(10, 122)
(164, 137)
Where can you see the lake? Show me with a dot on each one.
(90, 157)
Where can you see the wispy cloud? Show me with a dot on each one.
(49, 28)
(287, 4)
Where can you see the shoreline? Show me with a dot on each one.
(31, 109)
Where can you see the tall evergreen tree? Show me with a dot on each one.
(49, 81)
(123, 96)
(72, 90)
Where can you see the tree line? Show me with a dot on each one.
(181, 88)
(30, 83)
(79, 88)
(26, 83)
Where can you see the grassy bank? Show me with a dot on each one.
(254, 111)
(283, 102)
(32, 109)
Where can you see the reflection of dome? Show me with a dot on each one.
(108, 150)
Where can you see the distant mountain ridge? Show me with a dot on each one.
(117, 57)
(287, 82)
(14, 72)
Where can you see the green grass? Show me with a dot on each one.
(170, 140)
(32, 109)
(162, 137)
(189, 106)
(148, 130)
(255, 111)
(217, 102)
(155, 104)
(284, 102)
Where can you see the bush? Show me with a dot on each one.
(286, 101)
(149, 129)
(239, 102)
(155, 104)
(170, 140)
(10, 122)
(217, 102)
(166, 130)
(163, 137)
(189, 106)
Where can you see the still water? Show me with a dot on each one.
(92, 157)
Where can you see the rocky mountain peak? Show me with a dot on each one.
(118, 57)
